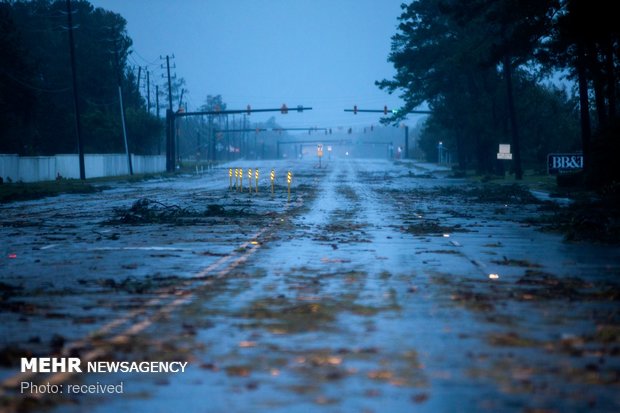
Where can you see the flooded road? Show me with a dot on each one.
(376, 286)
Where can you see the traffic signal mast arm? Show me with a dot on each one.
(236, 111)
(240, 130)
(299, 129)
(385, 111)
(312, 141)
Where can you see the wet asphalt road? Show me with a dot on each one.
(378, 286)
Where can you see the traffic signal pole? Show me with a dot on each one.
(171, 116)
(385, 111)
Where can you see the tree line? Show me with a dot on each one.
(484, 67)
(36, 106)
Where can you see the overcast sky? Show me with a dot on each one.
(326, 54)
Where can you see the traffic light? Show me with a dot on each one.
(385, 110)
(355, 109)
(350, 130)
(284, 109)
(249, 109)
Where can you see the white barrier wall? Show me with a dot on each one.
(46, 168)
(9, 166)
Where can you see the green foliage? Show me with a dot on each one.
(454, 55)
(36, 104)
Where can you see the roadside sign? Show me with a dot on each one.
(504, 156)
(558, 163)
(504, 151)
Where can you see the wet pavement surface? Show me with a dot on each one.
(376, 286)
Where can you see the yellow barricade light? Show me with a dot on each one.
(256, 179)
(289, 179)
(273, 178)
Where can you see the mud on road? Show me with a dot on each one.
(376, 287)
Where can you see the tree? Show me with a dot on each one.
(471, 62)
(18, 85)
(585, 40)
(36, 110)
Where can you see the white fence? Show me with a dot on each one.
(47, 168)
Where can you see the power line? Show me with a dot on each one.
(153, 63)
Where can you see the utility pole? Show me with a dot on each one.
(227, 141)
(139, 78)
(76, 103)
(120, 98)
(157, 114)
(148, 93)
(169, 83)
(244, 139)
(406, 142)
(170, 156)
(157, 101)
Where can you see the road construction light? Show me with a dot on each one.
(289, 179)
(256, 179)
(272, 176)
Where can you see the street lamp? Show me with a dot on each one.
(440, 152)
